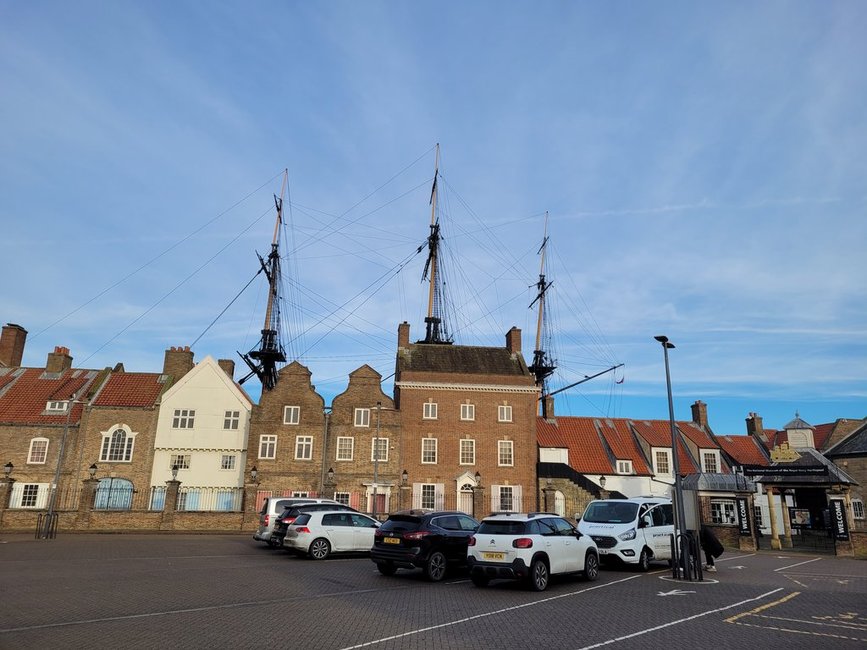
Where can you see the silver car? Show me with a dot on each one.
(272, 509)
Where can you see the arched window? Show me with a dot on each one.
(117, 446)
(113, 494)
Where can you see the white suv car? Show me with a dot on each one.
(530, 547)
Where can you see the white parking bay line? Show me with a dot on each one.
(484, 615)
(679, 621)
(791, 566)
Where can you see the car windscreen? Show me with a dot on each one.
(498, 527)
(610, 512)
(401, 523)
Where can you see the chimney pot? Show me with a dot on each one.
(12, 342)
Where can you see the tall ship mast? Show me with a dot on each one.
(263, 359)
(543, 365)
(435, 327)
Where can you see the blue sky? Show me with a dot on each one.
(702, 165)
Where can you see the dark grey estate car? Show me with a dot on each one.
(429, 540)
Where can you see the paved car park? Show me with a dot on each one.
(197, 591)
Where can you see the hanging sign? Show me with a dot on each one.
(743, 517)
(838, 520)
(785, 470)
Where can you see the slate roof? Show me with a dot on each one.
(745, 450)
(132, 389)
(855, 444)
(461, 359)
(23, 399)
(809, 457)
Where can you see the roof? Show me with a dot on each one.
(718, 483)
(809, 457)
(587, 454)
(131, 389)
(23, 399)
(623, 444)
(797, 423)
(855, 444)
(745, 450)
(657, 433)
(461, 359)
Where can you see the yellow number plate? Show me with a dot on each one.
(493, 556)
(391, 540)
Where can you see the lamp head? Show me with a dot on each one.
(175, 472)
(478, 477)
(92, 470)
(665, 342)
(7, 468)
(254, 473)
(330, 474)
(602, 482)
(404, 477)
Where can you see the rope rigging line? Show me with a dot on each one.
(226, 308)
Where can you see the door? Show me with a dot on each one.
(363, 528)
(658, 533)
(338, 528)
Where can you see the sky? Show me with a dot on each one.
(702, 167)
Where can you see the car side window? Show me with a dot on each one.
(467, 523)
(564, 527)
(658, 516)
(547, 527)
(449, 522)
(360, 521)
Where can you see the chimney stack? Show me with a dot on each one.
(228, 367)
(755, 428)
(59, 360)
(699, 414)
(12, 345)
(548, 407)
(403, 335)
(178, 362)
(513, 340)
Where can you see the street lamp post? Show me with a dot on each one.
(50, 528)
(681, 564)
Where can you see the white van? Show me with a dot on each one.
(272, 508)
(634, 531)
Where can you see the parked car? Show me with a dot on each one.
(288, 516)
(429, 540)
(271, 510)
(633, 531)
(529, 547)
(321, 533)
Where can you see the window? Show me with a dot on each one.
(38, 451)
(117, 447)
(302, 495)
(468, 452)
(303, 447)
(662, 461)
(505, 453)
(624, 467)
(504, 413)
(507, 498)
(227, 462)
(57, 406)
(722, 511)
(362, 417)
(428, 496)
(183, 419)
(30, 495)
(858, 508)
(231, 420)
(291, 414)
(267, 446)
(342, 497)
(710, 462)
(430, 411)
(345, 448)
(468, 412)
(428, 451)
(757, 515)
(181, 460)
(379, 449)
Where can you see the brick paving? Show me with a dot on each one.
(227, 591)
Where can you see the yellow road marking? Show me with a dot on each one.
(763, 607)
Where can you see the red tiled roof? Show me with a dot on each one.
(24, 400)
(579, 436)
(744, 449)
(130, 389)
(658, 434)
(619, 437)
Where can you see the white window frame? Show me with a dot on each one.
(468, 445)
(181, 460)
(429, 449)
(36, 493)
(56, 406)
(758, 517)
(504, 413)
(723, 512)
(857, 509)
(228, 462)
(707, 454)
(361, 418)
(505, 453)
(341, 446)
(468, 412)
(506, 498)
(624, 466)
(342, 497)
(107, 449)
(232, 420)
(303, 447)
(292, 415)
(656, 464)
(383, 444)
(268, 447)
(428, 495)
(184, 419)
(32, 458)
(429, 411)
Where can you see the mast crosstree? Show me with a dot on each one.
(435, 327)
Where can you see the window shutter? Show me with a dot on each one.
(518, 501)
(440, 495)
(416, 495)
(495, 498)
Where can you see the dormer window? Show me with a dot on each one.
(710, 461)
(624, 467)
(59, 406)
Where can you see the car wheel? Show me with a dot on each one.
(386, 568)
(591, 566)
(319, 548)
(643, 560)
(479, 580)
(435, 569)
(539, 575)
(273, 542)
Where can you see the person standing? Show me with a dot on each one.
(712, 547)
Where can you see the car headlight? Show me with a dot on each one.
(625, 537)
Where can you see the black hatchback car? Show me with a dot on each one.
(291, 513)
(432, 541)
